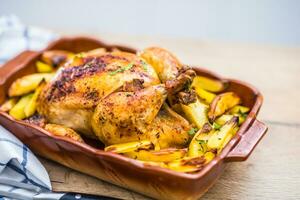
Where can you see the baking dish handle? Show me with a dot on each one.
(13, 65)
(248, 142)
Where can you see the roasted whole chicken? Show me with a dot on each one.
(121, 97)
(145, 106)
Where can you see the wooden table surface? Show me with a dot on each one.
(273, 170)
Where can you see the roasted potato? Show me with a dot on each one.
(60, 130)
(187, 164)
(196, 113)
(164, 155)
(208, 97)
(130, 146)
(18, 110)
(158, 164)
(217, 140)
(242, 118)
(8, 104)
(96, 52)
(223, 119)
(43, 67)
(198, 145)
(222, 103)
(211, 85)
(76, 60)
(209, 156)
(239, 110)
(227, 139)
(27, 84)
(30, 108)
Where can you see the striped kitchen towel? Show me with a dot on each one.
(22, 176)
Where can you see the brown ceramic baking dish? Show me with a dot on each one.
(89, 158)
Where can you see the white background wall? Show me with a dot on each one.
(274, 22)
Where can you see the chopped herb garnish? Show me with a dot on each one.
(216, 126)
(192, 131)
(122, 69)
(202, 141)
(128, 94)
(244, 115)
(144, 65)
(202, 144)
(80, 55)
(115, 72)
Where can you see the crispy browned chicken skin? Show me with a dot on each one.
(120, 97)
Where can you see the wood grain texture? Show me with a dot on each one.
(273, 170)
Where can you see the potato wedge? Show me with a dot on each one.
(222, 103)
(227, 139)
(242, 118)
(187, 164)
(130, 146)
(223, 119)
(211, 85)
(238, 110)
(196, 113)
(209, 156)
(198, 145)
(43, 67)
(27, 84)
(96, 52)
(164, 155)
(56, 58)
(184, 168)
(217, 139)
(8, 104)
(60, 130)
(18, 110)
(76, 60)
(30, 108)
(208, 97)
(158, 164)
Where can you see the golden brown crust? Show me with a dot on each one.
(117, 96)
(124, 116)
(72, 96)
(166, 65)
(111, 65)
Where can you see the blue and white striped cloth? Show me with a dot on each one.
(22, 176)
